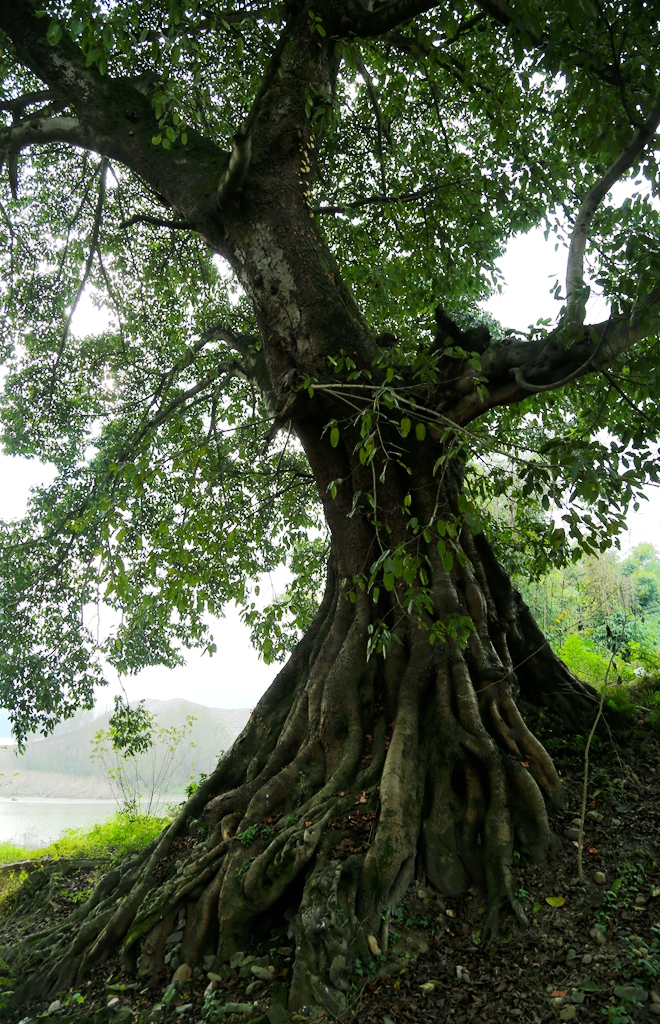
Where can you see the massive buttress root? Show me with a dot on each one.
(353, 774)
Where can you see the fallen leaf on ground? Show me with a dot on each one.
(555, 901)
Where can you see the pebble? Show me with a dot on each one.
(571, 954)
(598, 935)
(655, 1008)
(631, 992)
(237, 1008)
(236, 960)
(568, 1013)
(422, 894)
(572, 833)
(599, 877)
(54, 1006)
(587, 958)
(208, 962)
(655, 998)
(253, 986)
(113, 1003)
(262, 973)
(183, 974)
(173, 938)
(594, 816)
(372, 943)
(640, 899)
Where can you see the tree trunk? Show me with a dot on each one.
(355, 773)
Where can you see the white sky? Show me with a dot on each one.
(235, 677)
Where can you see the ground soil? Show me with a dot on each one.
(595, 957)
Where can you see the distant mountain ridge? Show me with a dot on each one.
(60, 765)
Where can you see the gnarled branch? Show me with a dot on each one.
(575, 287)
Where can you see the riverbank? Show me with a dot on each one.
(52, 785)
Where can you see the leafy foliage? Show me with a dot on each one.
(178, 486)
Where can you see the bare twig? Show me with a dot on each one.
(382, 200)
(96, 228)
(585, 777)
(373, 96)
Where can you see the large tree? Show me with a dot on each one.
(291, 213)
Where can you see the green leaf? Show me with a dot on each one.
(334, 437)
(405, 426)
(54, 33)
(420, 431)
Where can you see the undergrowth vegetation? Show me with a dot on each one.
(601, 607)
(113, 839)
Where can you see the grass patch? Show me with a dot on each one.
(115, 838)
(10, 853)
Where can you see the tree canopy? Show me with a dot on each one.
(434, 133)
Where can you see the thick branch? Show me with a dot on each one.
(113, 117)
(157, 222)
(366, 24)
(40, 131)
(21, 102)
(575, 287)
(512, 370)
(234, 177)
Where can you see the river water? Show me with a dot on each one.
(37, 821)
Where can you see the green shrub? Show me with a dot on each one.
(10, 853)
(120, 835)
(583, 660)
(619, 700)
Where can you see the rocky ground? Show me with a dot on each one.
(591, 952)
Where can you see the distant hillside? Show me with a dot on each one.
(67, 752)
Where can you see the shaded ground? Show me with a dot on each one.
(595, 957)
